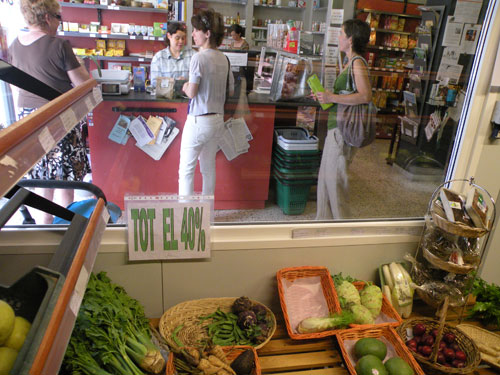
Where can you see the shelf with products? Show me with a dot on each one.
(110, 36)
(375, 11)
(393, 31)
(283, 7)
(119, 58)
(393, 49)
(113, 7)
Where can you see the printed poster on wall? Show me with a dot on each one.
(333, 35)
(452, 33)
(337, 17)
(467, 11)
(470, 36)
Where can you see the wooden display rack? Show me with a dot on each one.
(22, 145)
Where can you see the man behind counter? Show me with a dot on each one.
(174, 60)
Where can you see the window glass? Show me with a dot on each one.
(284, 156)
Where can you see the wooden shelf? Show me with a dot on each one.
(23, 143)
(112, 7)
(392, 31)
(386, 70)
(393, 49)
(108, 36)
(389, 13)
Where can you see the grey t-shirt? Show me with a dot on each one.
(47, 59)
(209, 70)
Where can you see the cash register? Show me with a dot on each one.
(113, 82)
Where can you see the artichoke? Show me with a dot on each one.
(361, 314)
(371, 298)
(241, 304)
(247, 319)
(260, 311)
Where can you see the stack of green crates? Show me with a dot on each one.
(294, 170)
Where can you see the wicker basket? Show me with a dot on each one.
(231, 353)
(387, 333)
(387, 309)
(329, 293)
(433, 302)
(457, 228)
(193, 331)
(465, 343)
(487, 342)
(447, 266)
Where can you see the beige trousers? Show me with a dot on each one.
(333, 185)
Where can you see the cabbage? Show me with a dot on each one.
(348, 294)
(371, 298)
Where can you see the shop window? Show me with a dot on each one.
(421, 67)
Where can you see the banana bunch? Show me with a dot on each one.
(397, 288)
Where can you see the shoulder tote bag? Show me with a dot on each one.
(357, 123)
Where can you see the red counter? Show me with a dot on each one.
(242, 183)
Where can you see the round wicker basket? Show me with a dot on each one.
(193, 330)
(447, 266)
(465, 343)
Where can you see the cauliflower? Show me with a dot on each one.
(348, 294)
(371, 298)
(361, 314)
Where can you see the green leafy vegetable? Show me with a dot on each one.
(111, 334)
(487, 307)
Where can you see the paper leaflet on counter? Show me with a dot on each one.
(119, 132)
(166, 135)
(140, 130)
(234, 140)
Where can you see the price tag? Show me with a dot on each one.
(88, 103)
(46, 140)
(92, 35)
(163, 227)
(68, 119)
(132, 36)
(104, 35)
(141, 59)
(97, 95)
(60, 33)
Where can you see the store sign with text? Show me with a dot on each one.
(165, 227)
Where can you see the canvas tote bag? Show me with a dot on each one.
(357, 123)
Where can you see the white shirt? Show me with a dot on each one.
(209, 69)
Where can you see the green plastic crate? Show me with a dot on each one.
(303, 172)
(292, 196)
(297, 152)
(33, 297)
(293, 166)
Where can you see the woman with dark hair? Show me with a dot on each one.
(174, 60)
(332, 190)
(51, 60)
(238, 42)
(208, 74)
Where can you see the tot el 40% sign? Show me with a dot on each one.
(159, 229)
